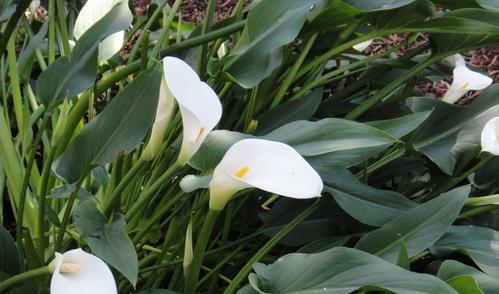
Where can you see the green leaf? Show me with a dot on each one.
(452, 268)
(465, 285)
(68, 77)
(324, 244)
(9, 257)
(28, 52)
(6, 10)
(301, 109)
(339, 271)
(65, 191)
(108, 241)
(119, 128)
(401, 126)
(403, 257)
(368, 205)
(270, 25)
(489, 4)
(419, 228)
(479, 243)
(374, 5)
(450, 127)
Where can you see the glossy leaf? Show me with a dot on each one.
(374, 5)
(119, 128)
(401, 126)
(369, 205)
(419, 228)
(340, 270)
(479, 243)
(270, 25)
(108, 241)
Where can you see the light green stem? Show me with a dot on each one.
(29, 275)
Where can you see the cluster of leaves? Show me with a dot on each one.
(400, 211)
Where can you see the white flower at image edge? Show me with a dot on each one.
(78, 272)
(91, 13)
(198, 103)
(267, 165)
(464, 81)
(490, 136)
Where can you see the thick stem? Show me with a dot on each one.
(6, 284)
(192, 271)
(485, 200)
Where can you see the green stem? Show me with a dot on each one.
(63, 27)
(149, 192)
(51, 33)
(192, 271)
(478, 210)
(29, 275)
(206, 27)
(24, 187)
(15, 86)
(386, 91)
(42, 192)
(484, 200)
(243, 273)
(294, 70)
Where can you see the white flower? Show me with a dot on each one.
(78, 272)
(198, 103)
(163, 115)
(91, 13)
(490, 136)
(267, 165)
(464, 80)
(362, 45)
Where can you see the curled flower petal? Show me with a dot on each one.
(91, 13)
(267, 165)
(362, 45)
(490, 136)
(464, 81)
(198, 103)
(89, 275)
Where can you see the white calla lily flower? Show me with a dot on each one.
(91, 13)
(464, 81)
(490, 136)
(78, 272)
(198, 103)
(267, 165)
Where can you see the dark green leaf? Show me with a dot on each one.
(65, 191)
(373, 5)
(119, 128)
(452, 268)
(301, 109)
(108, 241)
(28, 52)
(270, 25)
(340, 270)
(369, 205)
(9, 258)
(419, 228)
(479, 243)
(6, 10)
(401, 126)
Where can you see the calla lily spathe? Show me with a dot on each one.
(267, 165)
(91, 13)
(490, 136)
(78, 272)
(362, 45)
(464, 81)
(198, 103)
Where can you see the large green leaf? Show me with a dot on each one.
(270, 25)
(465, 285)
(119, 128)
(480, 243)
(301, 109)
(450, 127)
(108, 241)
(451, 268)
(68, 77)
(339, 271)
(6, 10)
(374, 5)
(401, 126)
(419, 228)
(489, 4)
(9, 258)
(368, 205)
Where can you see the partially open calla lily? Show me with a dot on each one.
(490, 136)
(362, 45)
(267, 165)
(198, 103)
(78, 272)
(91, 13)
(464, 81)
